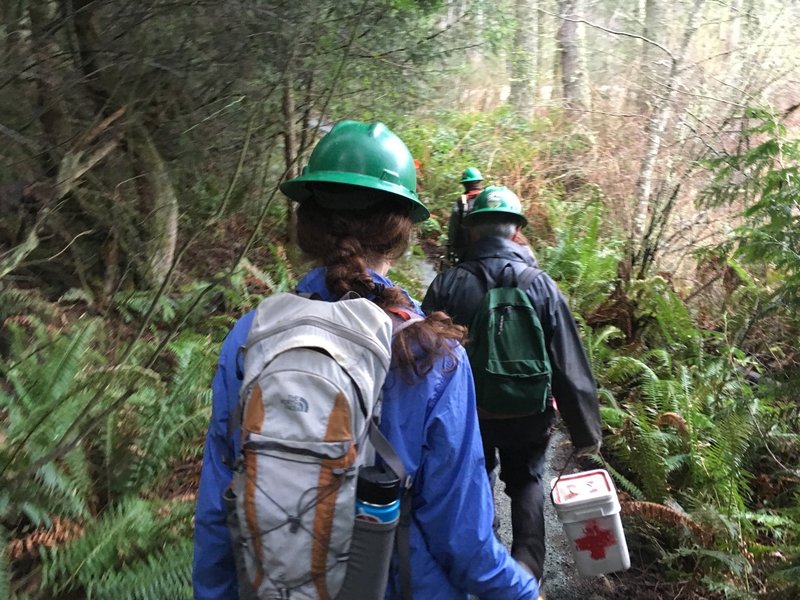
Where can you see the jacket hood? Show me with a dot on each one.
(497, 247)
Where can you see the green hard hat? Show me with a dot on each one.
(471, 174)
(364, 155)
(497, 199)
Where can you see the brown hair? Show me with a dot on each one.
(344, 241)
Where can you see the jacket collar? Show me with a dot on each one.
(497, 247)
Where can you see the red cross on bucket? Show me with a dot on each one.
(595, 540)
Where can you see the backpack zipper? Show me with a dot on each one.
(271, 445)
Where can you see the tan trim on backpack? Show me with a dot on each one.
(339, 429)
(253, 421)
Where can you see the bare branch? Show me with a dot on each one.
(19, 138)
(614, 32)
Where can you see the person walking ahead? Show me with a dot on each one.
(357, 208)
(472, 180)
(522, 434)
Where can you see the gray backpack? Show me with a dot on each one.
(308, 410)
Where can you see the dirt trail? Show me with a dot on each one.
(561, 578)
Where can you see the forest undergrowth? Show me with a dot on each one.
(104, 402)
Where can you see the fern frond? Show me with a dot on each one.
(16, 301)
(59, 532)
(660, 513)
(62, 490)
(627, 369)
(163, 574)
(730, 562)
(623, 482)
(787, 578)
(128, 531)
(173, 422)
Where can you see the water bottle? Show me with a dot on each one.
(377, 495)
(376, 519)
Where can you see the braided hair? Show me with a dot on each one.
(346, 241)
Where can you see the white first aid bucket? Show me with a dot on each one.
(587, 505)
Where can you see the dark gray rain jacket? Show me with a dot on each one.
(459, 293)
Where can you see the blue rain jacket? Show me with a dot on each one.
(433, 426)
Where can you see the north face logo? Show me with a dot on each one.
(295, 404)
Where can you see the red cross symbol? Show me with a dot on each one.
(595, 540)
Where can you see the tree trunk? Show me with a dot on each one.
(653, 61)
(543, 22)
(161, 222)
(654, 131)
(290, 151)
(570, 43)
(475, 54)
(51, 107)
(523, 57)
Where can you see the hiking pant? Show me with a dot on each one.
(522, 445)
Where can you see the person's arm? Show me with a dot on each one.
(454, 508)
(431, 303)
(574, 386)
(213, 569)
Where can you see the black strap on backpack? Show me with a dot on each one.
(522, 281)
(403, 540)
(401, 319)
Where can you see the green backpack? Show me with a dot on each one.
(507, 350)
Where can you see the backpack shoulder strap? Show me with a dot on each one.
(477, 268)
(527, 277)
(401, 319)
(522, 281)
(403, 540)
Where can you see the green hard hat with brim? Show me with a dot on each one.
(497, 199)
(471, 174)
(362, 155)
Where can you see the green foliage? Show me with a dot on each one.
(164, 573)
(412, 275)
(501, 145)
(41, 403)
(109, 478)
(765, 176)
(138, 549)
(5, 583)
(582, 259)
(683, 426)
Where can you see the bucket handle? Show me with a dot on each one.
(560, 475)
(564, 468)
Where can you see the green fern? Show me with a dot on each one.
(106, 481)
(132, 529)
(165, 573)
(41, 404)
(172, 423)
(583, 259)
(625, 483)
(16, 301)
